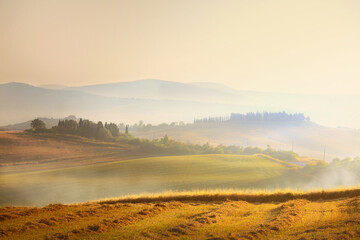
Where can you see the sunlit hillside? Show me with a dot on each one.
(318, 215)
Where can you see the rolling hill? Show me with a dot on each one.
(134, 176)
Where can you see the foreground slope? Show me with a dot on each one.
(134, 176)
(298, 218)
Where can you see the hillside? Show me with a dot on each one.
(134, 176)
(334, 216)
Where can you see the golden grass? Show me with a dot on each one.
(253, 196)
(295, 219)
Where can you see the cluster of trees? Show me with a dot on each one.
(141, 126)
(212, 119)
(269, 117)
(256, 117)
(38, 125)
(85, 128)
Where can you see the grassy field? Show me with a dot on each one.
(155, 174)
(335, 216)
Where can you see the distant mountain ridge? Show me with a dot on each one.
(157, 101)
(160, 90)
(20, 102)
(53, 86)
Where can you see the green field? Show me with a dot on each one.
(155, 174)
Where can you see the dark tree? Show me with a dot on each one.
(37, 125)
(113, 129)
(165, 139)
(100, 125)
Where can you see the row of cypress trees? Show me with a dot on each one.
(88, 128)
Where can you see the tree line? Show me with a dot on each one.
(87, 128)
(84, 128)
(256, 117)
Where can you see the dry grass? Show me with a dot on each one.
(253, 196)
(299, 218)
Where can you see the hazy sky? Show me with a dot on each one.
(289, 46)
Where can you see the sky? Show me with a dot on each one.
(307, 46)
